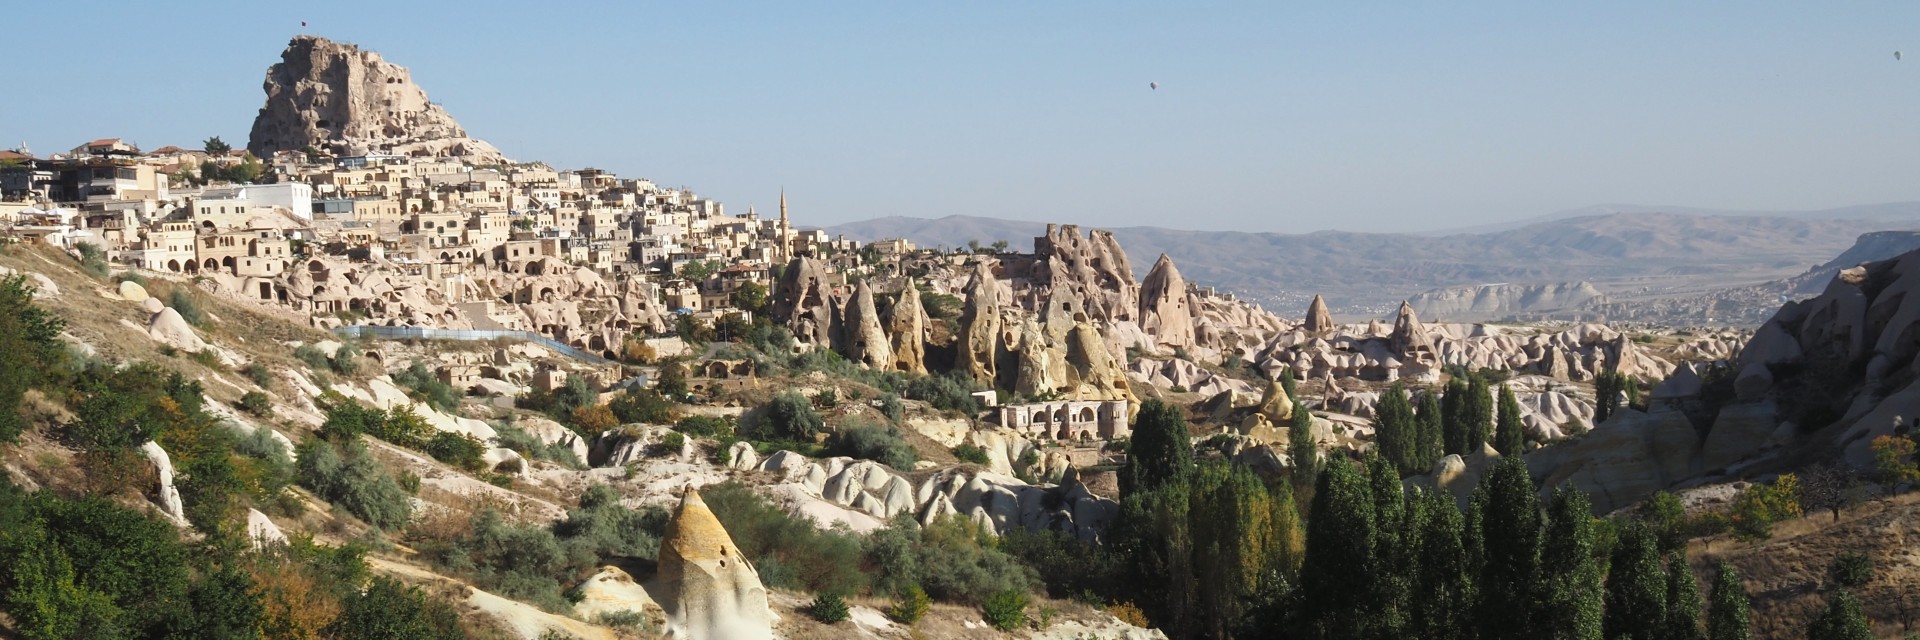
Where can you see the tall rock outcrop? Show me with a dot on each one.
(1091, 274)
(1094, 373)
(979, 334)
(804, 301)
(907, 330)
(1409, 339)
(1165, 311)
(1319, 319)
(708, 589)
(338, 98)
(866, 341)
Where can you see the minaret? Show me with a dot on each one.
(786, 242)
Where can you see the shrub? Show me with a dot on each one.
(641, 405)
(260, 375)
(311, 355)
(790, 551)
(1890, 454)
(891, 407)
(517, 560)
(428, 387)
(1852, 569)
(603, 528)
(348, 476)
(389, 609)
(457, 449)
(1130, 613)
(593, 420)
(187, 306)
(829, 608)
(208, 358)
(705, 426)
(93, 259)
(958, 562)
(1757, 508)
(947, 392)
(910, 605)
(787, 416)
(256, 403)
(344, 358)
(879, 443)
(1006, 610)
(673, 442)
(972, 453)
(626, 619)
(526, 444)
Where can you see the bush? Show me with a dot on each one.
(829, 608)
(705, 426)
(787, 416)
(593, 420)
(1890, 454)
(628, 619)
(910, 605)
(348, 476)
(521, 561)
(971, 453)
(519, 440)
(344, 358)
(603, 528)
(673, 442)
(891, 407)
(427, 387)
(879, 443)
(947, 392)
(1757, 508)
(261, 376)
(187, 306)
(391, 610)
(640, 405)
(1006, 610)
(93, 259)
(1852, 569)
(457, 449)
(313, 357)
(256, 403)
(790, 551)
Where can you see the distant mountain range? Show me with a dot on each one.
(1616, 247)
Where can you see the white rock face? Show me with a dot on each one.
(612, 590)
(262, 531)
(170, 329)
(132, 291)
(707, 587)
(169, 496)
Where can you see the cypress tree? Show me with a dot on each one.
(1511, 545)
(1453, 408)
(1287, 382)
(1636, 587)
(1430, 429)
(1445, 606)
(1570, 600)
(1162, 450)
(1302, 448)
(1683, 601)
(1510, 437)
(1392, 582)
(1235, 544)
(1336, 577)
(1727, 612)
(1842, 620)
(1396, 432)
(1153, 538)
(1479, 414)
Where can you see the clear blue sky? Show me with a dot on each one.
(1270, 116)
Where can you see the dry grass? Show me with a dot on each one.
(1787, 574)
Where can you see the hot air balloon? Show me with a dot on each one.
(1896, 56)
(303, 23)
(1154, 86)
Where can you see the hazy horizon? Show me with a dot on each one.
(1283, 119)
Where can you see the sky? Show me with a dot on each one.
(1270, 116)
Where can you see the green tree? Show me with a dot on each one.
(1393, 582)
(214, 146)
(1455, 409)
(389, 610)
(1510, 437)
(1302, 448)
(1841, 620)
(1510, 526)
(1636, 587)
(1430, 423)
(1444, 609)
(749, 296)
(1727, 610)
(1162, 450)
(29, 346)
(1396, 432)
(1683, 601)
(1289, 384)
(1569, 607)
(788, 416)
(1479, 413)
(1336, 577)
(1236, 543)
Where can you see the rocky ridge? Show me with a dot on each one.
(337, 98)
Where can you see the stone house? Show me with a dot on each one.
(1069, 420)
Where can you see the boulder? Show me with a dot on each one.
(132, 291)
(261, 530)
(612, 590)
(168, 495)
(170, 329)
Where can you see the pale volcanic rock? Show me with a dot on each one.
(805, 302)
(1409, 338)
(1623, 460)
(1275, 405)
(907, 330)
(168, 328)
(1165, 310)
(1094, 373)
(131, 291)
(979, 332)
(1091, 272)
(867, 342)
(1319, 319)
(168, 494)
(708, 589)
(261, 531)
(612, 590)
(338, 98)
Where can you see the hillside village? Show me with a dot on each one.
(563, 403)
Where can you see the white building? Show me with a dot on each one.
(296, 197)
